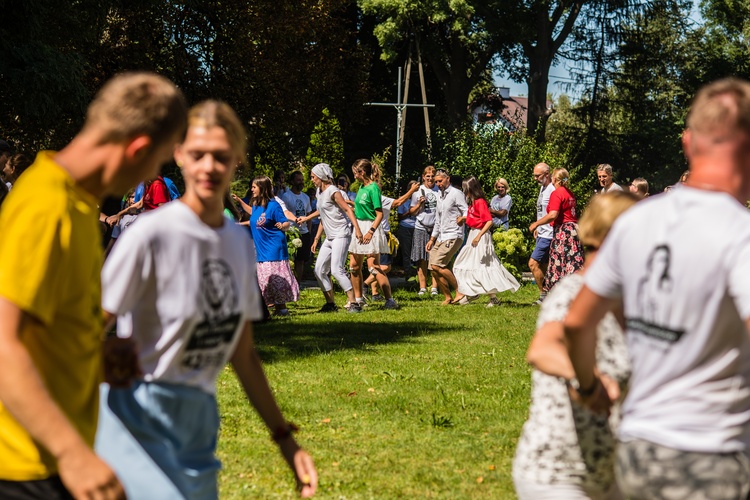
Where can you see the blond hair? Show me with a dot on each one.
(600, 214)
(213, 113)
(132, 104)
(711, 115)
(561, 175)
(503, 182)
(641, 185)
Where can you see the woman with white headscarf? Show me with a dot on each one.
(334, 212)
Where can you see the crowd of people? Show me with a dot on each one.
(641, 375)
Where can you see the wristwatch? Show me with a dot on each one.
(574, 384)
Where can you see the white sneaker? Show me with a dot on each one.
(433, 291)
(422, 291)
(494, 302)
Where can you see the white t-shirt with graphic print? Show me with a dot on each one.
(680, 262)
(299, 205)
(545, 230)
(183, 291)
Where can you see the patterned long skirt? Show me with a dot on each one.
(565, 254)
(277, 283)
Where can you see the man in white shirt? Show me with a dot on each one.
(447, 234)
(543, 233)
(298, 203)
(685, 297)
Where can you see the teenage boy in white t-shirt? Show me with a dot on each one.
(686, 302)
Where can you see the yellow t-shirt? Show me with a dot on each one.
(50, 264)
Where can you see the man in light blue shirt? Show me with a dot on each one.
(447, 233)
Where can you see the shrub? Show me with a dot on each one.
(488, 153)
(512, 249)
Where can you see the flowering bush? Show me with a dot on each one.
(512, 249)
(293, 242)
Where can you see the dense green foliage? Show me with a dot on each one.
(286, 66)
(488, 153)
(512, 248)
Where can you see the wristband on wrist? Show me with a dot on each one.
(372, 230)
(584, 393)
(284, 431)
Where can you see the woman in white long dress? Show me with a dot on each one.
(477, 269)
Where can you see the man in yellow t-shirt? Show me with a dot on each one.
(50, 261)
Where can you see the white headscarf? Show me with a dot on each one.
(323, 172)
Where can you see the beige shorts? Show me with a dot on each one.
(443, 251)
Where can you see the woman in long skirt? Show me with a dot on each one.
(477, 269)
(268, 223)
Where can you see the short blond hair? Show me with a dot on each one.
(561, 175)
(212, 113)
(600, 214)
(641, 185)
(711, 115)
(132, 104)
(502, 181)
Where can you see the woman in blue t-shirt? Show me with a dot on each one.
(268, 223)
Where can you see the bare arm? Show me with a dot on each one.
(249, 371)
(24, 394)
(498, 213)
(485, 228)
(544, 220)
(343, 205)
(580, 325)
(548, 352)
(406, 196)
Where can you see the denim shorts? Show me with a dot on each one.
(541, 250)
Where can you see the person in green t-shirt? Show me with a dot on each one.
(369, 213)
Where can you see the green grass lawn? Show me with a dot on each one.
(427, 401)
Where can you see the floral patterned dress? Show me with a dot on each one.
(565, 251)
(562, 442)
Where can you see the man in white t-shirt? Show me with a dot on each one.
(543, 233)
(606, 177)
(298, 203)
(678, 264)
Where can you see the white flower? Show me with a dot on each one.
(297, 242)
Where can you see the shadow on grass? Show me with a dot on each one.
(283, 340)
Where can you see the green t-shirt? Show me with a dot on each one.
(368, 199)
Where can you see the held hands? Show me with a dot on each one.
(460, 220)
(301, 220)
(112, 220)
(606, 392)
(358, 235)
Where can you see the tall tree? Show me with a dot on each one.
(458, 40)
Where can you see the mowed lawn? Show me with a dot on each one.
(425, 402)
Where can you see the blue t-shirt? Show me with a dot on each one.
(270, 242)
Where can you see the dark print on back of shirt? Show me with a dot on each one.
(655, 298)
(219, 305)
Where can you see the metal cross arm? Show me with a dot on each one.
(400, 108)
